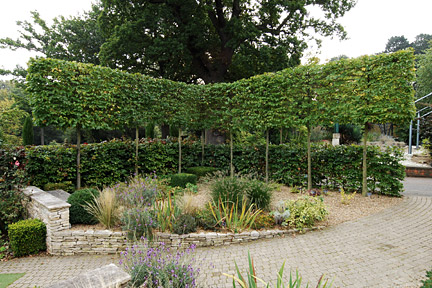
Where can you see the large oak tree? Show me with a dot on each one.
(213, 40)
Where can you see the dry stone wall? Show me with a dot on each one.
(61, 240)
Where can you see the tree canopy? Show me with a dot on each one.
(212, 41)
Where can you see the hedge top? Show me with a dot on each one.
(375, 89)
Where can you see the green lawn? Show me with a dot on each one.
(7, 279)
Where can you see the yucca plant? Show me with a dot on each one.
(227, 215)
(252, 281)
(104, 207)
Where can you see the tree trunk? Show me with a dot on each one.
(267, 156)
(309, 161)
(180, 151)
(231, 155)
(365, 135)
(202, 146)
(42, 136)
(78, 185)
(136, 150)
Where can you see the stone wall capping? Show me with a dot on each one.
(63, 241)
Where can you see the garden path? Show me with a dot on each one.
(390, 249)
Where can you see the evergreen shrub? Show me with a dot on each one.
(77, 212)
(181, 179)
(27, 237)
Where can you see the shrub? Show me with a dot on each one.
(138, 222)
(427, 283)
(104, 207)
(181, 179)
(77, 212)
(259, 193)
(27, 237)
(304, 212)
(201, 171)
(185, 224)
(139, 191)
(66, 186)
(229, 189)
(159, 267)
(12, 178)
(205, 219)
(263, 220)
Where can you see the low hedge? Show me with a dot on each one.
(112, 162)
(182, 179)
(27, 237)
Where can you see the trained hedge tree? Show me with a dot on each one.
(261, 103)
(382, 93)
(371, 89)
(70, 94)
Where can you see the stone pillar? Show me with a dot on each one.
(336, 139)
(51, 210)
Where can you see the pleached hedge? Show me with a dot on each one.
(111, 162)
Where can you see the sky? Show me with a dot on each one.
(369, 25)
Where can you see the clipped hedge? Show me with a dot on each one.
(182, 179)
(112, 162)
(27, 237)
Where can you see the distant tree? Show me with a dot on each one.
(424, 74)
(340, 57)
(421, 43)
(27, 133)
(396, 43)
(74, 39)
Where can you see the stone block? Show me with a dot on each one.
(106, 276)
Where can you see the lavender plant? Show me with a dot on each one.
(139, 222)
(159, 266)
(139, 191)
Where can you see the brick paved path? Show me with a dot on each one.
(390, 249)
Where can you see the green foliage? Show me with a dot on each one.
(295, 281)
(182, 179)
(200, 171)
(12, 178)
(166, 211)
(65, 186)
(160, 266)
(185, 224)
(212, 41)
(232, 216)
(139, 222)
(110, 163)
(27, 132)
(229, 190)
(259, 193)
(27, 237)
(205, 218)
(428, 282)
(304, 212)
(78, 201)
(150, 130)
